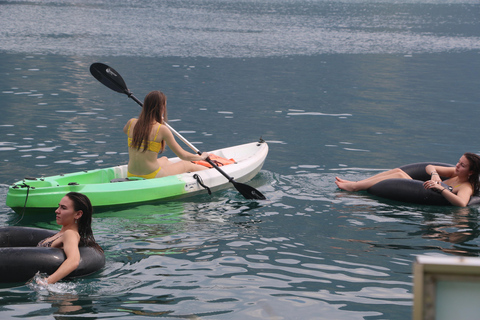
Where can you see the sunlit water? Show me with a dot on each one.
(336, 88)
(219, 28)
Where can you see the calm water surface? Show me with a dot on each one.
(336, 88)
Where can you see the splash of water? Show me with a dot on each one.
(39, 284)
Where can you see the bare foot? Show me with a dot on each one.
(342, 180)
(346, 185)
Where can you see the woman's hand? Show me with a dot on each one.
(435, 177)
(432, 184)
(42, 281)
(204, 155)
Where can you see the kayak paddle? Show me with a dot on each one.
(112, 79)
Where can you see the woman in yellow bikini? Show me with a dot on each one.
(147, 138)
(462, 182)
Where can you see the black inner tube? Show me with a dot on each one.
(412, 191)
(21, 259)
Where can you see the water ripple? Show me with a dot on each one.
(226, 29)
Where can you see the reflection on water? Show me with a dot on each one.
(447, 229)
(459, 227)
(217, 256)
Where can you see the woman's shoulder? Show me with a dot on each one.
(467, 184)
(71, 234)
(131, 121)
(129, 124)
(161, 128)
(464, 187)
(164, 133)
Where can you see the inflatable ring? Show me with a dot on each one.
(21, 259)
(412, 191)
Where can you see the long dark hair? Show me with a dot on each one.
(81, 202)
(154, 110)
(474, 161)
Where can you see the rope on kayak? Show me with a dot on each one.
(200, 182)
(25, 205)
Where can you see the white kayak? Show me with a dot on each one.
(110, 186)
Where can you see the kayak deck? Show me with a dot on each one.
(109, 186)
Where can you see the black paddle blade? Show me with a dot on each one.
(109, 77)
(248, 192)
(245, 190)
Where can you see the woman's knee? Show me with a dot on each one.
(401, 173)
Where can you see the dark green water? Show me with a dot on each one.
(337, 88)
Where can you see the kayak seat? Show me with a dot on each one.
(217, 160)
(126, 179)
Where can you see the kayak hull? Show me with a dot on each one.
(101, 187)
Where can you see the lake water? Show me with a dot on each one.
(336, 88)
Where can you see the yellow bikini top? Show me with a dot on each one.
(152, 145)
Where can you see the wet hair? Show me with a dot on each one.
(474, 161)
(154, 110)
(81, 202)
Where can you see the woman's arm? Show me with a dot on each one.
(460, 199)
(167, 135)
(436, 172)
(70, 247)
(464, 193)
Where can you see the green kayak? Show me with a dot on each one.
(109, 186)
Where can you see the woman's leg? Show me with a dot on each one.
(367, 183)
(397, 173)
(169, 168)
